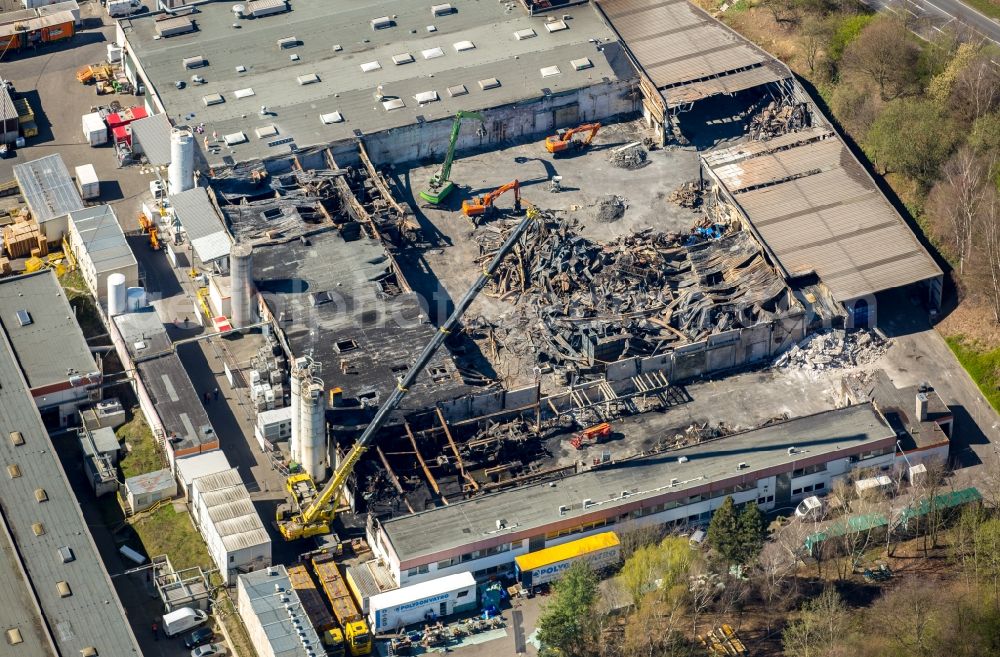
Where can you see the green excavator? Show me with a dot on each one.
(440, 185)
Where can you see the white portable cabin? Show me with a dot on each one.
(421, 602)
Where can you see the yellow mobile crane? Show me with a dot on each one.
(314, 518)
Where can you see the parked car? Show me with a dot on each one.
(199, 637)
(209, 650)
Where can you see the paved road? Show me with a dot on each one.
(925, 17)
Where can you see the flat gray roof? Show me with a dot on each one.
(319, 27)
(275, 616)
(177, 402)
(48, 188)
(818, 211)
(102, 238)
(330, 290)
(20, 608)
(52, 322)
(528, 510)
(91, 616)
(153, 136)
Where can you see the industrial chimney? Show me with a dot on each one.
(922, 406)
(241, 277)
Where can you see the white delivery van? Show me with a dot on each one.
(118, 8)
(182, 620)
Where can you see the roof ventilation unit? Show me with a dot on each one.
(442, 10)
(563, 509)
(742, 465)
(402, 58)
(457, 90)
(792, 450)
(625, 494)
(556, 26)
(195, 62)
(489, 83)
(393, 104)
(382, 23)
(235, 138)
(521, 35)
(266, 131)
(243, 93)
(581, 64)
(288, 42)
(309, 78)
(675, 482)
(587, 503)
(213, 99)
(24, 318)
(682, 459)
(332, 117)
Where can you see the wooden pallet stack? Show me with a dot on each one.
(24, 238)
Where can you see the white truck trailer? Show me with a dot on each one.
(419, 603)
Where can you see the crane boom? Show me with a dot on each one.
(336, 483)
(440, 184)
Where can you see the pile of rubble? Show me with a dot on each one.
(775, 120)
(629, 156)
(688, 195)
(834, 349)
(579, 303)
(611, 209)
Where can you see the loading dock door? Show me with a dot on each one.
(782, 490)
(567, 117)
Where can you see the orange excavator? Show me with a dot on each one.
(477, 207)
(563, 141)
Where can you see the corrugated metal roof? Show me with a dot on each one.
(102, 239)
(225, 504)
(201, 222)
(153, 136)
(687, 54)
(818, 211)
(48, 188)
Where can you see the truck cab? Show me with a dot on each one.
(359, 637)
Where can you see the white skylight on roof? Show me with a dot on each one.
(457, 90)
(463, 45)
(431, 53)
(521, 35)
(309, 78)
(402, 58)
(235, 138)
(213, 99)
(549, 71)
(489, 83)
(332, 117)
(368, 67)
(266, 131)
(556, 26)
(243, 93)
(393, 104)
(426, 97)
(582, 63)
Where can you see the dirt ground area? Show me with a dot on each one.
(973, 322)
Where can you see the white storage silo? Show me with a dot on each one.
(296, 404)
(180, 173)
(135, 299)
(117, 294)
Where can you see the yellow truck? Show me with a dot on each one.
(357, 634)
(315, 608)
